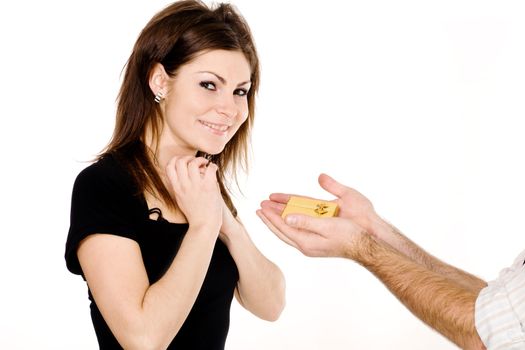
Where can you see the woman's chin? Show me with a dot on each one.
(212, 150)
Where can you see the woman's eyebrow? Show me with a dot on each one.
(222, 80)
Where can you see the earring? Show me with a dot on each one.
(159, 96)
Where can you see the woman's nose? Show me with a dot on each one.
(227, 107)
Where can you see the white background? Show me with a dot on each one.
(417, 104)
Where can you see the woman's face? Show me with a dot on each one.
(206, 102)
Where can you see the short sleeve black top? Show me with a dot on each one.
(104, 201)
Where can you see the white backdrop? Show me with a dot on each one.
(418, 104)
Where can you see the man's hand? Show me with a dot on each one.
(327, 237)
(352, 204)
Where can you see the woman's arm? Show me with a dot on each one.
(261, 286)
(144, 316)
(140, 315)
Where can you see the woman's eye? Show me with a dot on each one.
(241, 92)
(208, 85)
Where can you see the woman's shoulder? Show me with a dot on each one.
(105, 165)
(106, 172)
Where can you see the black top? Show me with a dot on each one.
(104, 201)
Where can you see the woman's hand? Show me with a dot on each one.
(196, 191)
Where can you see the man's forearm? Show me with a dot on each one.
(438, 301)
(399, 242)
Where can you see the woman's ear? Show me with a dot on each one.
(158, 80)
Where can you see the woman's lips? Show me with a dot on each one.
(217, 129)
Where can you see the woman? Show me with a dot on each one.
(153, 229)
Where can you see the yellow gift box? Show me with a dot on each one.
(311, 207)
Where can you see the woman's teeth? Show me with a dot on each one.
(217, 127)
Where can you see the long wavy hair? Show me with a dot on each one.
(173, 37)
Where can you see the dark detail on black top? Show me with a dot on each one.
(104, 200)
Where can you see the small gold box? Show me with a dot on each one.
(311, 207)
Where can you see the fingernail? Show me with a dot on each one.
(291, 220)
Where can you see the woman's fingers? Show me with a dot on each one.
(197, 167)
(181, 167)
(186, 168)
(210, 173)
(171, 172)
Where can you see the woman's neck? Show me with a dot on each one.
(165, 149)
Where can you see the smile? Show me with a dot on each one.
(219, 129)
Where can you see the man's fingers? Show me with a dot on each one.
(280, 197)
(284, 197)
(260, 213)
(332, 186)
(271, 205)
(297, 236)
(308, 223)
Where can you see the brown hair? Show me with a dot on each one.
(173, 37)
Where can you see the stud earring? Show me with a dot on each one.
(159, 96)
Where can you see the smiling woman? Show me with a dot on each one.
(206, 101)
(153, 229)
